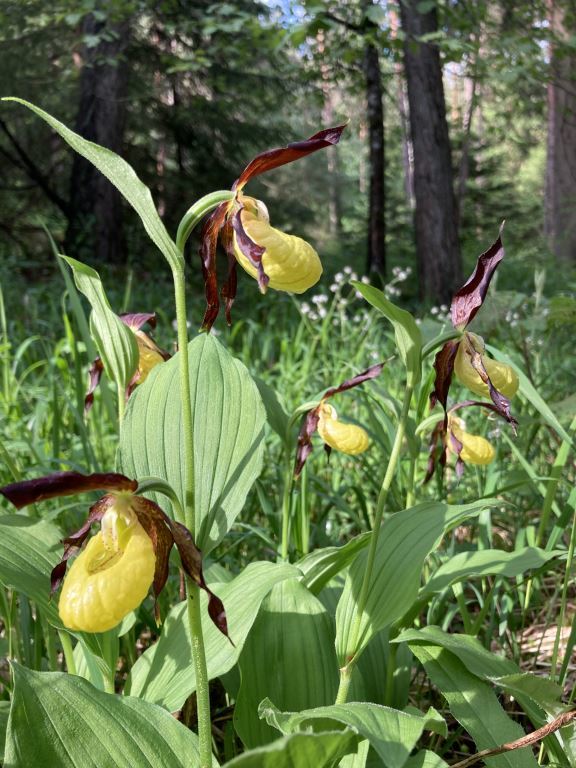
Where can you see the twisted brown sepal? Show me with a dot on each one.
(94, 376)
(209, 241)
(468, 300)
(250, 249)
(274, 158)
(444, 367)
(229, 288)
(310, 423)
(437, 437)
(191, 559)
(502, 403)
(137, 320)
(64, 484)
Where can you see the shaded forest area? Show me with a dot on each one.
(461, 114)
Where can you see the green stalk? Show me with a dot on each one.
(68, 651)
(121, 404)
(563, 602)
(286, 508)
(189, 221)
(346, 670)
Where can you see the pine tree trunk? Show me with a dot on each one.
(560, 198)
(437, 249)
(376, 262)
(95, 223)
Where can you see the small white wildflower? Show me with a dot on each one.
(358, 295)
(322, 312)
(396, 271)
(313, 316)
(305, 308)
(365, 279)
(347, 270)
(408, 270)
(434, 311)
(418, 321)
(334, 287)
(353, 276)
(443, 308)
(339, 277)
(374, 355)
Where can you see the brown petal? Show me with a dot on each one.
(304, 448)
(210, 231)
(438, 436)
(370, 373)
(457, 448)
(468, 300)
(274, 158)
(64, 484)
(444, 367)
(94, 374)
(228, 291)
(191, 558)
(73, 543)
(156, 524)
(250, 249)
(502, 403)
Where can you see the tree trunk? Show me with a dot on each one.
(95, 222)
(376, 262)
(560, 199)
(437, 249)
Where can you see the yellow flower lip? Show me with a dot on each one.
(346, 438)
(104, 585)
(503, 377)
(290, 263)
(475, 448)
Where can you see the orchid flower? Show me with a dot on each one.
(275, 259)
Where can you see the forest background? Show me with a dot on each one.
(462, 114)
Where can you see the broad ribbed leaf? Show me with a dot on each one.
(405, 541)
(289, 657)
(392, 734)
(229, 420)
(122, 175)
(300, 750)
(321, 565)
(425, 759)
(406, 332)
(116, 343)
(165, 673)
(73, 725)
(486, 562)
(475, 705)
(29, 549)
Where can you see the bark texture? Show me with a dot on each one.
(560, 198)
(376, 261)
(95, 220)
(437, 248)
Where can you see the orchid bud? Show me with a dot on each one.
(290, 263)
(347, 438)
(503, 376)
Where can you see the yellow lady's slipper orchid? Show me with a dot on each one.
(502, 376)
(347, 438)
(290, 263)
(149, 355)
(475, 449)
(112, 576)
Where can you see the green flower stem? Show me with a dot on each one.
(346, 670)
(189, 221)
(68, 651)
(121, 404)
(563, 602)
(286, 508)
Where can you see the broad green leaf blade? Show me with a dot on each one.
(277, 417)
(229, 423)
(122, 175)
(116, 343)
(392, 734)
(357, 760)
(321, 565)
(425, 759)
(467, 565)
(29, 549)
(405, 541)
(300, 750)
(475, 706)
(4, 713)
(406, 332)
(165, 673)
(289, 657)
(73, 725)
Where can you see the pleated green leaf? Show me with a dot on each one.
(229, 420)
(392, 734)
(467, 565)
(425, 759)
(321, 565)
(293, 626)
(405, 541)
(406, 332)
(165, 673)
(122, 175)
(300, 750)
(29, 549)
(116, 343)
(76, 725)
(475, 705)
